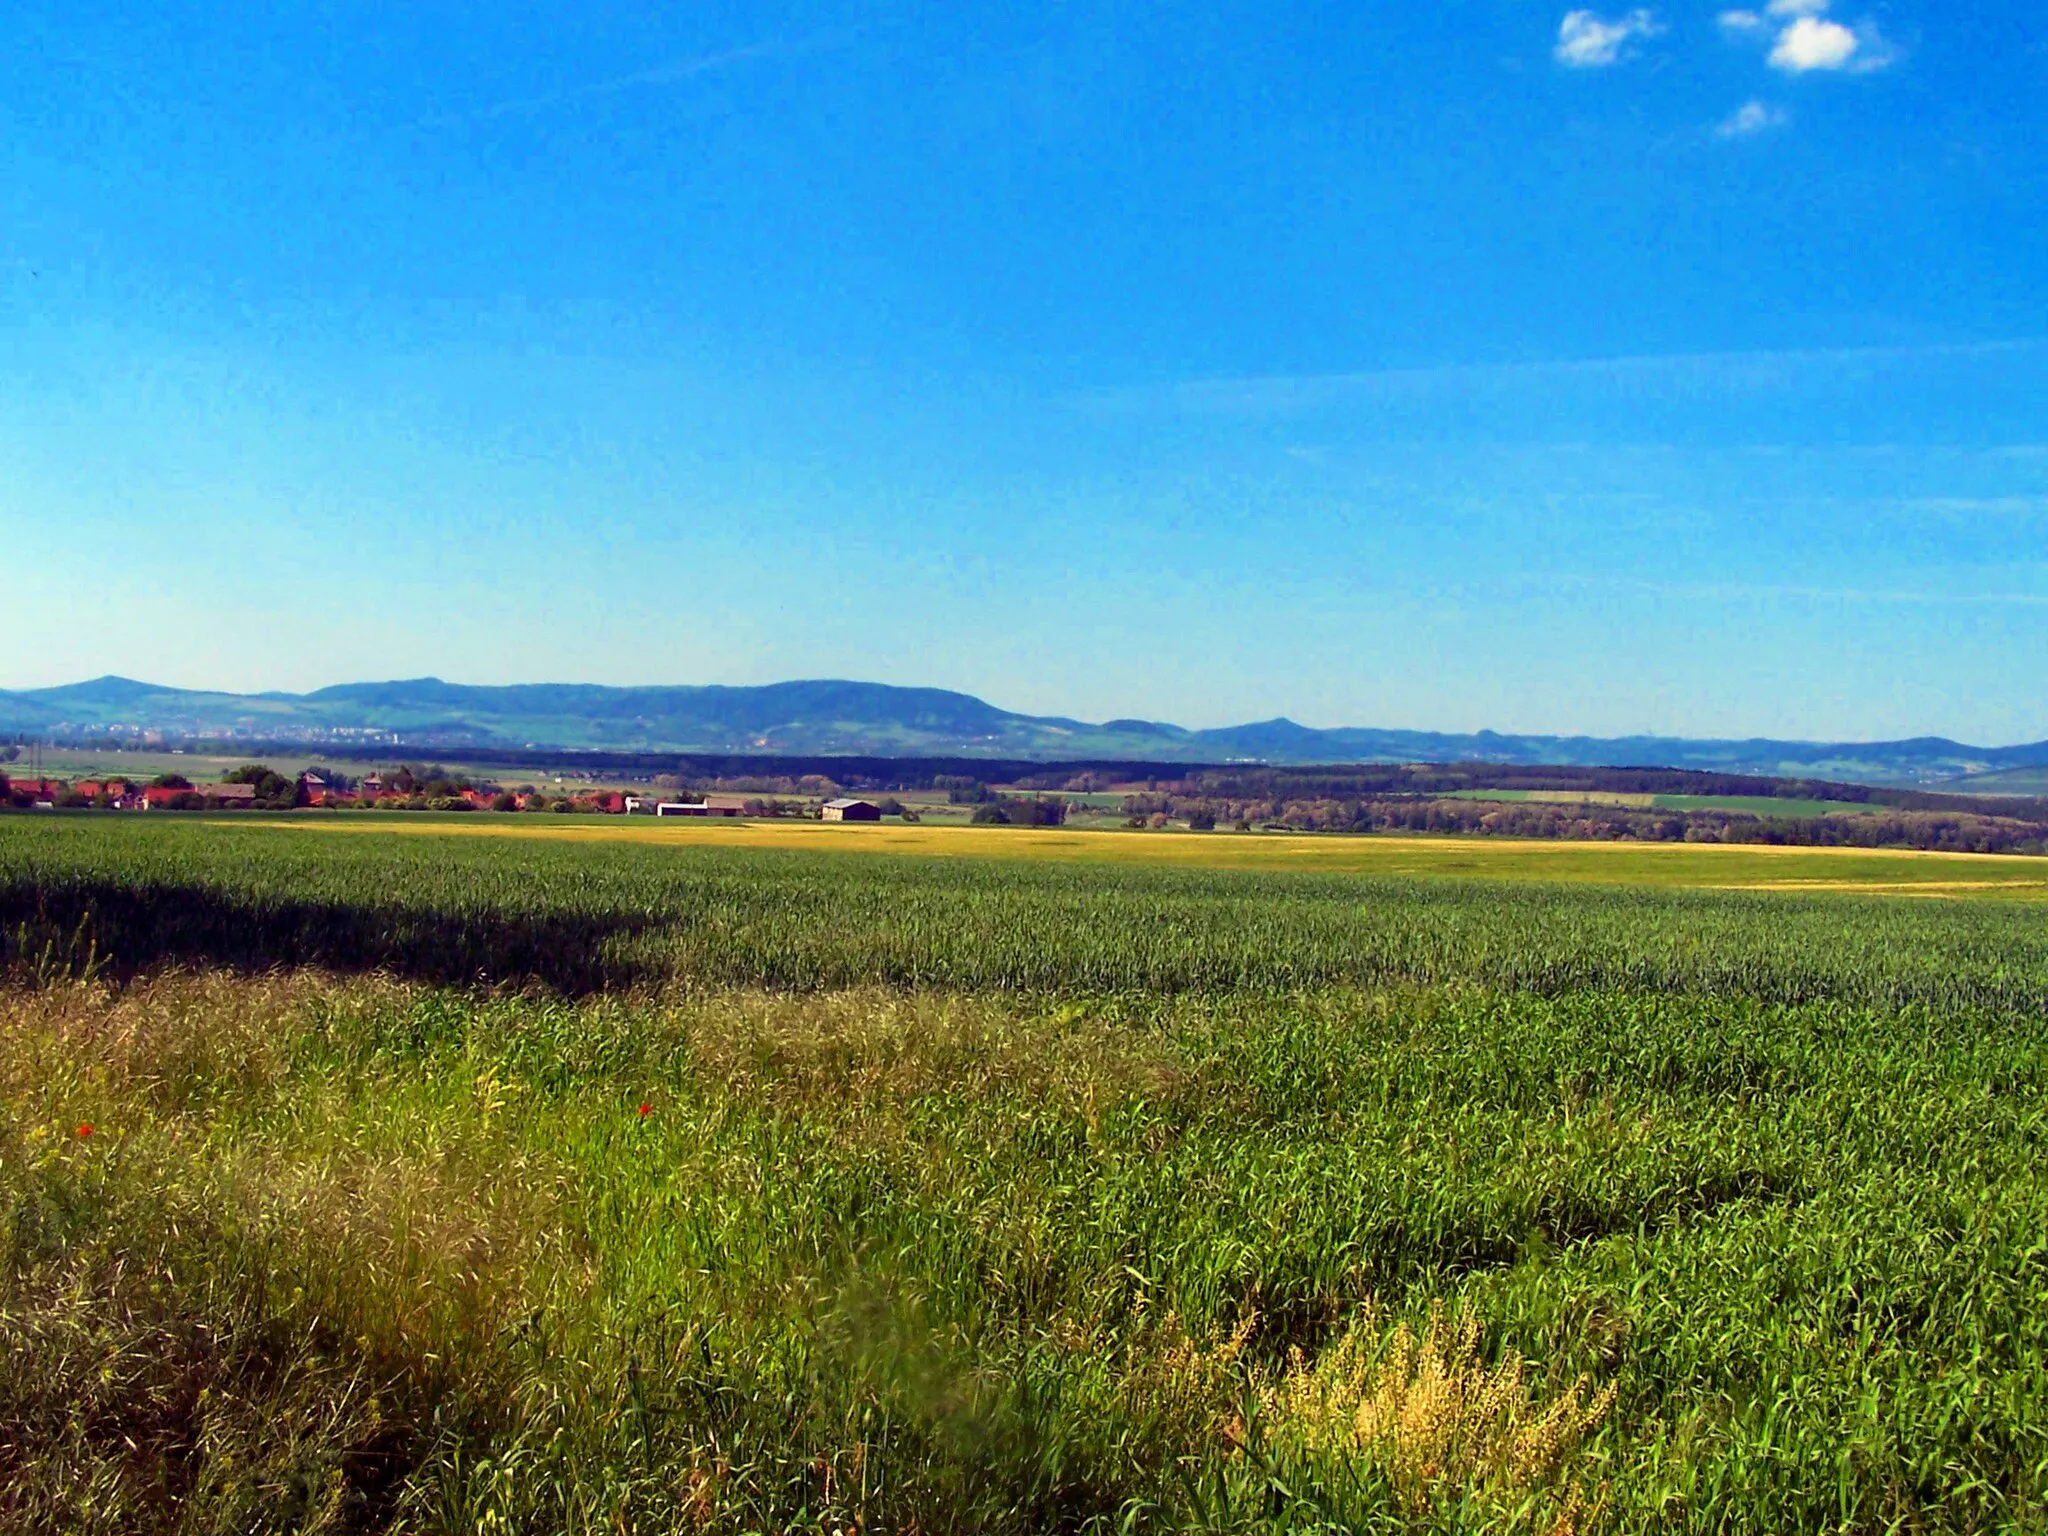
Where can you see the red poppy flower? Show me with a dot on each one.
(646, 1110)
(84, 1131)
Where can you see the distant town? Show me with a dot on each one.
(257, 787)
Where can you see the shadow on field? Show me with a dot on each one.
(123, 929)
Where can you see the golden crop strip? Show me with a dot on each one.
(1703, 866)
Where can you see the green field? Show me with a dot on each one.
(1747, 805)
(2009, 781)
(1764, 805)
(481, 1175)
(1698, 866)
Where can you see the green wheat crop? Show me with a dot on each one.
(402, 1185)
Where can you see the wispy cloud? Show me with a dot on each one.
(1751, 119)
(1743, 591)
(674, 73)
(1978, 506)
(1694, 373)
(1586, 40)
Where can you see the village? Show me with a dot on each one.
(255, 787)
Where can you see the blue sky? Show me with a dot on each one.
(1457, 365)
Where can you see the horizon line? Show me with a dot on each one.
(1482, 732)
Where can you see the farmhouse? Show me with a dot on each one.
(852, 810)
(713, 805)
(220, 794)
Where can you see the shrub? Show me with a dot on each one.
(1425, 1416)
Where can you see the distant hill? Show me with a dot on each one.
(2003, 781)
(833, 717)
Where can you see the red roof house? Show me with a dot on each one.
(214, 794)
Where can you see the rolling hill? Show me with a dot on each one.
(836, 717)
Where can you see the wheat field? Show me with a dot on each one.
(422, 1183)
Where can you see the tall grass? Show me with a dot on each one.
(345, 1254)
(431, 1184)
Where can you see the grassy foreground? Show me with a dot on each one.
(361, 1255)
(459, 1184)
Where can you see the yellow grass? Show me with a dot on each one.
(1696, 865)
(1589, 797)
(1440, 1423)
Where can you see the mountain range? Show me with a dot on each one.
(820, 718)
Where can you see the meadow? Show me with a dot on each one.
(1694, 866)
(455, 1178)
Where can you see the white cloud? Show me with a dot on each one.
(1873, 50)
(1810, 43)
(1751, 118)
(1588, 41)
(1802, 38)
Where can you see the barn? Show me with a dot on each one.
(712, 805)
(852, 810)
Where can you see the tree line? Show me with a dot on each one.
(1934, 831)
